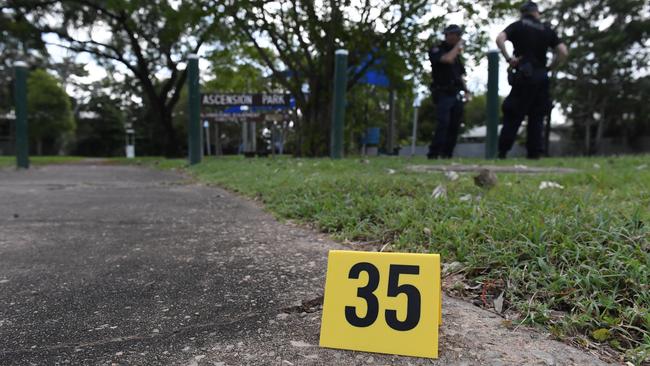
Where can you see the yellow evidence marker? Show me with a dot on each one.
(382, 302)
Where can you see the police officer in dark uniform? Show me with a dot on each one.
(448, 71)
(528, 76)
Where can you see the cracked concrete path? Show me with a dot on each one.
(108, 264)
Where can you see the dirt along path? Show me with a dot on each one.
(103, 264)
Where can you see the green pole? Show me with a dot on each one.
(20, 98)
(194, 126)
(492, 105)
(338, 108)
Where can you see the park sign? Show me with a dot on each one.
(233, 117)
(245, 99)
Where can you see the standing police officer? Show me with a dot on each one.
(448, 71)
(528, 76)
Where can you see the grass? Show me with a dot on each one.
(575, 260)
(9, 161)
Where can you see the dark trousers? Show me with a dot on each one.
(449, 110)
(531, 99)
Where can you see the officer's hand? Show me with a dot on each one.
(514, 62)
(460, 45)
(469, 96)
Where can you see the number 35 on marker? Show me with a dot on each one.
(382, 302)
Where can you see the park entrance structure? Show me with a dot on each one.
(249, 110)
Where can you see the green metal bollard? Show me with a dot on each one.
(20, 98)
(492, 105)
(194, 123)
(338, 108)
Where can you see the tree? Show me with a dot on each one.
(142, 38)
(303, 36)
(100, 126)
(19, 41)
(609, 50)
(49, 118)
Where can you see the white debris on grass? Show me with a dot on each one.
(452, 175)
(518, 166)
(391, 171)
(548, 184)
(439, 192)
(642, 166)
(596, 166)
(465, 198)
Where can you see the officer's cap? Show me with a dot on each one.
(453, 28)
(529, 7)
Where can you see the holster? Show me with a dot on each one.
(522, 74)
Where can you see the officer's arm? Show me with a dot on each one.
(450, 57)
(561, 53)
(501, 43)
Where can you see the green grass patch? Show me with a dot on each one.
(575, 260)
(9, 161)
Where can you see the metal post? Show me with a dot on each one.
(20, 97)
(492, 105)
(194, 126)
(416, 104)
(338, 108)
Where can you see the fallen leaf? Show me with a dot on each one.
(498, 303)
(439, 192)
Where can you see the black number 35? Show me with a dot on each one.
(413, 308)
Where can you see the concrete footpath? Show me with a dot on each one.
(105, 264)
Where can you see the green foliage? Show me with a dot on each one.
(147, 39)
(575, 260)
(49, 115)
(100, 128)
(601, 87)
(16, 36)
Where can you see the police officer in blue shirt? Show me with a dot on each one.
(448, 71)
(528, 76)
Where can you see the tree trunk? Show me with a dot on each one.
(588, 138)
(217, 140)
(599, 132)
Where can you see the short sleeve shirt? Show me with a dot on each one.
(532, 39)
(446, 76)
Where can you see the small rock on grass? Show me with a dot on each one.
(486, 179)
